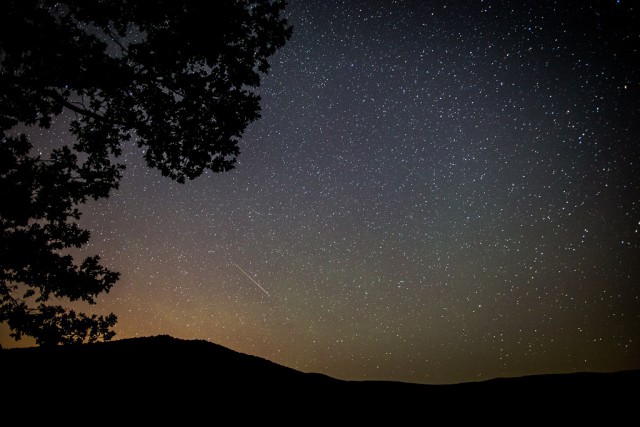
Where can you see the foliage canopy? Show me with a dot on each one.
(178, 78)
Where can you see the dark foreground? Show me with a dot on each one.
(163, 375)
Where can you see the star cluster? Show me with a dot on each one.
(436, 192)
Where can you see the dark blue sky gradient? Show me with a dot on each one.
(436, 192)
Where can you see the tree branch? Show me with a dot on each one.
(80, 110)
(115, 39)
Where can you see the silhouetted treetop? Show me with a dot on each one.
(177, 75)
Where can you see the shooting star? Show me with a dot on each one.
(251, 278)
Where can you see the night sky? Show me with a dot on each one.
(437, 191)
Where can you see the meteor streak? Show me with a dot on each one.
(251, 278)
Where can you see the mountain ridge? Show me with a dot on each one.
(176, 373)
(175, 346)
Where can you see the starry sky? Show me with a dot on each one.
(437, 192)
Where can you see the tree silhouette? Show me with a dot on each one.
(176, 77)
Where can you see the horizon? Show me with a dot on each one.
(148, 338)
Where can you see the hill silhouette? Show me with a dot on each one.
(175, 373)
